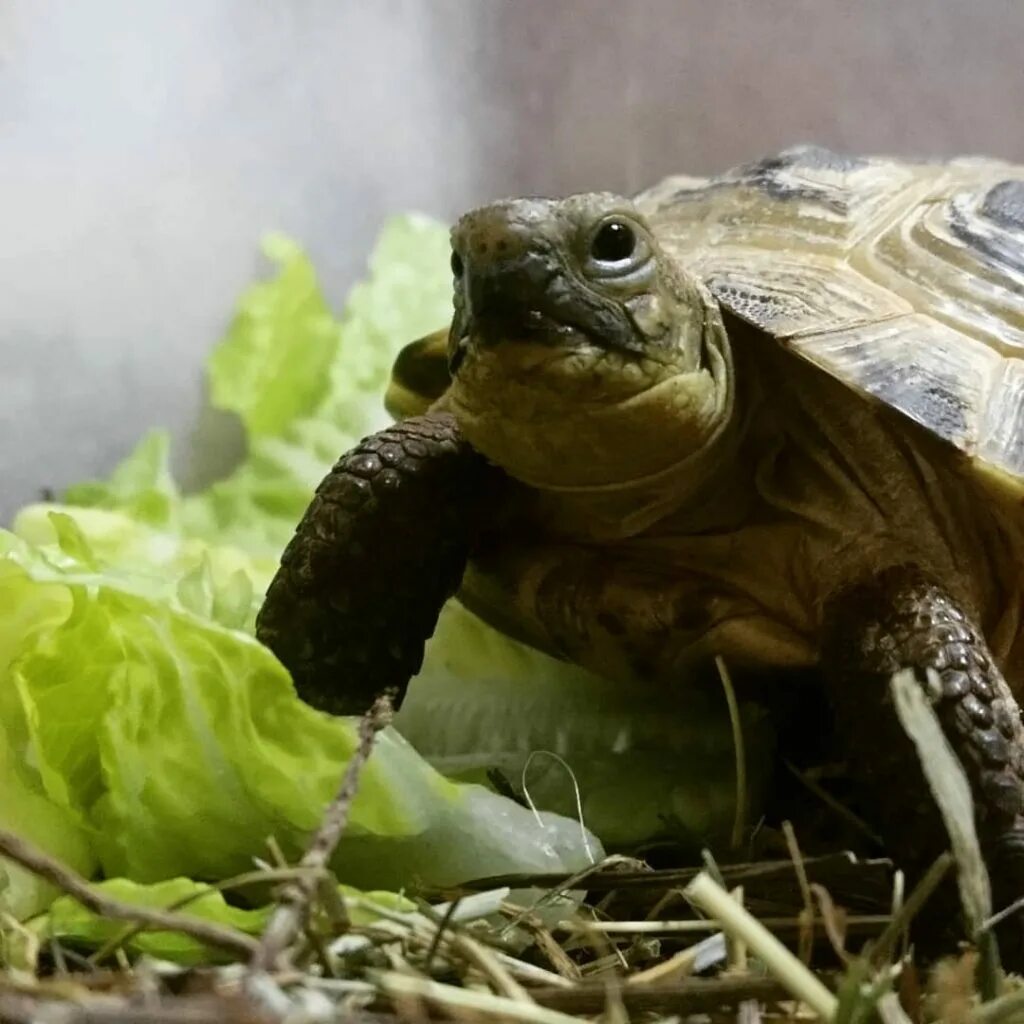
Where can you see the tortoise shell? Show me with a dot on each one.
(904, 280)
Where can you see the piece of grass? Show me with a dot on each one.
(952, 794)
(465, 1001)
(807, 914)
(1001, 1009)
(739, 823)
(684, 927)
(740, 924)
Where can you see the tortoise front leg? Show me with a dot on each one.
(902, 620)
(382, 546)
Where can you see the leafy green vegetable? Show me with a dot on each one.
(215, 581)
(305, 385)
(25, 807)
(26, 810)
(141, 487)
(637, 763)
(181, 746)
(294, 437)
(71, 922)
(273, 364)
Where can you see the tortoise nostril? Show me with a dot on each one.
(493, 243)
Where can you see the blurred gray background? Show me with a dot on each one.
(146, 146)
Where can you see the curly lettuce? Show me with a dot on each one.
(172, 745)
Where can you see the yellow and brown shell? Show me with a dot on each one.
(903, 279)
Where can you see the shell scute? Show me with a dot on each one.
(904, 280)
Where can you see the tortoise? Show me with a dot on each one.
(775, 415)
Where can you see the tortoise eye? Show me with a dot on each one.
(614, 242)
(456, 264)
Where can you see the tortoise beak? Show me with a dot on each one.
(514, 284)
(511, 301)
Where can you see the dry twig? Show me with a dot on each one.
(884, 946)
(292, 912)
(69, 881)
(546, 942)
(695, 995)
(739, 824)
(807, 914)
(27, 1008)
(830, 869)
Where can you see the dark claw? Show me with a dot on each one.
(903, 620)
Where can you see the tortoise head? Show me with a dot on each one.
(580, 354)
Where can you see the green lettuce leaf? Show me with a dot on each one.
(296, 435)
(637, 764)
(180, 745)
(141, 486)
(28, 611)
(70, 922)
(272, 366)
(305, 384)
(221, 582)
(73, 924)
(26, 810)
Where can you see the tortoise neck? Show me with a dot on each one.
(707, 489)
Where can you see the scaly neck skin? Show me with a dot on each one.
(709, 487)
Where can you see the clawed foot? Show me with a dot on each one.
(902, 620)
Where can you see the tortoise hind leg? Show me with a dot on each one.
(901, 620)
(382, 546)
